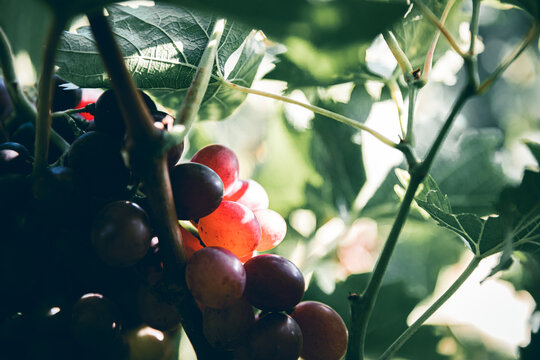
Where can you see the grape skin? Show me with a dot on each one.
(325, 333)
(215, 277)
(232, 226)
(273, 283)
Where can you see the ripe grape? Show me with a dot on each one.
(121, 233)
(249, 193)
(273, 228)
(222, 160)
(273, 283)
(232, 226)
(215, 277)
(190, 241)
(157, 312)
(197, 190)
(65, 96)
(325, 333)
(94, 321)
(14, 159)
(226, 328)
(108, 116)
(97, 164)
(275, 336)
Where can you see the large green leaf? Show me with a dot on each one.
(468, 171)
(518, 221)
(415, 33)
(162, 47)
(530, 6)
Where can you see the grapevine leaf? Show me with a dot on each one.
(518, 222)
(530, 6)
(415, 33)
(162, 49)
(335, 154)
(323, 23)
(467, 171)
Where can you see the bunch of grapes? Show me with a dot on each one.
(81, 268)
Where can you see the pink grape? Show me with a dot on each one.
(232, 226)
(222, 160)
(215, 277)
(273, 228)
(249, 193)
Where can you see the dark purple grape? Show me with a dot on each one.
(94, 321)
(26, 136)
(227, 328)
(273, 283)
(164, 121)
(15, 159)
(156, 312)
(197, 190)
(324, 332)
(121, 233)
(275, 336)
(98, 164)
(108, 116)
(215, 277)
(65, 95)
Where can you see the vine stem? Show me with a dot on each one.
(399, 55)
(409, 135)
(144, 141)
(25, 110)
(192, 102)
(413, 328)
(395, 92)
(428, 62)
(43, 122)
(533, 32)
(318, 110)
(362, 305)
(433, 19)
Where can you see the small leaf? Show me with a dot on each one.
(162, 46)
(530, 6)
(415, 33)
(519, 219)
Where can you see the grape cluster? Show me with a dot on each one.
(81, 268)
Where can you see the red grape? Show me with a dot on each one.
(275, 336)
(249, 193)
(273, 228)
(94, 320)
(190, 241)
(232, 226)
(227, 328)
(222, 160)
(121, 233)
(325, 333)
(273, 283)
(156, 312)
(215, 277)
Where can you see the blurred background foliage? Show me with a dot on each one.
(337, 187)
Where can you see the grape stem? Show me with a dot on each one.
(318, 110)
(413, 328)
(43, 123)
(153, 170)
(440, 25)
(26, 111)
(192, 102)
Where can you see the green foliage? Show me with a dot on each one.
(530, 6)
(415, 33)
(162, 49)
(469, 173)
(389, 316)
